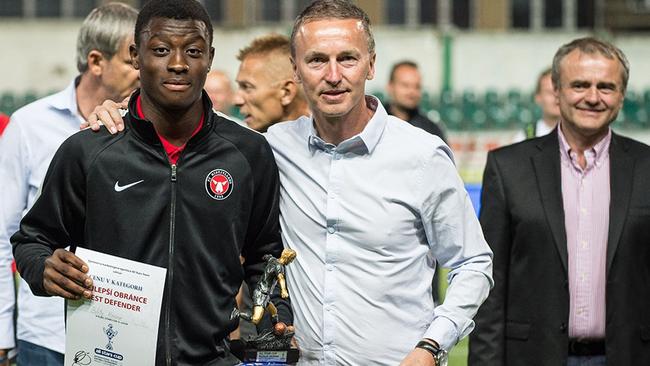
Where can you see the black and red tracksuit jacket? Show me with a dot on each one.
(194, 218)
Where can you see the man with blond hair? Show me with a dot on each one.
(267, 92)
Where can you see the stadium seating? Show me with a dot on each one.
(469, 110)
(29, 97)
(466, 110)
(7, 103)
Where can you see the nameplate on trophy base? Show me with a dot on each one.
(248, 354)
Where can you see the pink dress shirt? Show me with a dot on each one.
(586, 196)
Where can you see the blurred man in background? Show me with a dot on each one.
(267, 92)
(545, 99)
(405, 91)
(28, 145)
(219, 89)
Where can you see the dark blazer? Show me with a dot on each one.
(524, 320)
(417, 119)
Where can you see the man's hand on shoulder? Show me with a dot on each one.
(65, 275)
(107, 114)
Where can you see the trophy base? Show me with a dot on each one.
(248, 354)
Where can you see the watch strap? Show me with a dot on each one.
(434, 349)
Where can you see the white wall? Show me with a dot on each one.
(513, 60)
(503, 61)
(394, 44)
(39, 55)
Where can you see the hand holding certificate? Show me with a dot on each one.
(119, 324)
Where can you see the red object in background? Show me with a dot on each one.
(13, 266)
(4, 120)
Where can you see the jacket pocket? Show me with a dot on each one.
(516, 330)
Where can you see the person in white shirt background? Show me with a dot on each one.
(545, 99)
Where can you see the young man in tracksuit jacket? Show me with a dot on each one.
(135, 196)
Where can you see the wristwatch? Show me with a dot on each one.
(439, 354)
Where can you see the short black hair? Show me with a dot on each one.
(172, 9)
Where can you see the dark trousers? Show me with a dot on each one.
(30, 354)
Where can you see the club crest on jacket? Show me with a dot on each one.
(219, 184)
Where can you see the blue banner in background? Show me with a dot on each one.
(474, 191)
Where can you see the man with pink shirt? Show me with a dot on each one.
(567, 216)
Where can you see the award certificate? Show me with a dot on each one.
(119, 325)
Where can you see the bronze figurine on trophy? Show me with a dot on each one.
(273, 345)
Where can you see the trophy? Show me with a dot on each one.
(110, 333)
(273, 345)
